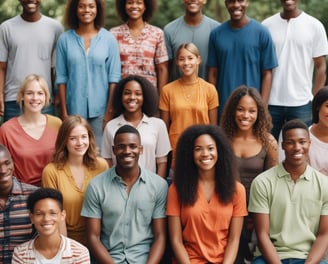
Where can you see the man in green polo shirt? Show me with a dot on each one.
(289, 203)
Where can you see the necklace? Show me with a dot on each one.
(189, 90)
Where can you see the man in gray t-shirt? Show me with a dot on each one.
(27, 46)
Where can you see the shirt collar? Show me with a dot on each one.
(283, 173)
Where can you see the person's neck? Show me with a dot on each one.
(237, 24)
(244, 134)
(76, 161)
(4, 194)
(86, 29)
(133, 117)
(295, 171)
(192, 19)
(136, 24)
(32, 118)
(189, 79)
(48, 244)
(285, 14)
(31, 17)
(130, 176)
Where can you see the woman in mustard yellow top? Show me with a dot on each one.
(74, 164)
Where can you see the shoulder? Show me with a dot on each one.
(178, 22)
(271, 19)
(54, 121)
(102, 163)
(9, 22)
(106, 34)
(171, 86)
(154, 179)
(211, 21)
(206, 84)
(118, 29)
(23, 187)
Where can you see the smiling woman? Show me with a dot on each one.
(30, 138)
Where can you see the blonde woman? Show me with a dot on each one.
(30, 137)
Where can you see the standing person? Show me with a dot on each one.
(74, 164)
(206, 204)
(124, 207)
(88, 64)
(142, 46)
(192, 27)
(247, 123)
(49, 246)
(319, 132)
(241, 51)
(189, 100)
(31, 136)
(135, 103)
(289, 203)
(301, 47)
(15, 224)
(27, 46)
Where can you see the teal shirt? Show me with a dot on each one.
(294, 208)
(126, 227)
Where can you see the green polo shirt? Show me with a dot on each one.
(294, 208)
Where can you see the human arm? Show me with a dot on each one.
(165, 116)
(157, 249)
(231, 250)
(266, 82)
(212, 75)
(213, 116)
(175, 233)
(262, 227)
(271, 158)
(108, 115)
(97, 249)
(162, 75)
(320, 245)
(3, 70)
(62, 100)
(319, 73)
(161, 166)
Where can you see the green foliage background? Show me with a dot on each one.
(170, 9)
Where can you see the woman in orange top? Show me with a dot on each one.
(206, 204)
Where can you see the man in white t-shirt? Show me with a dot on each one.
(301, 46)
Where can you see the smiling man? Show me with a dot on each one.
(15, 224)
(289, 203)
(124, 207)
(241, 52)
(27, 46)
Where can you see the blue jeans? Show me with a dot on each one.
(282, 114)
(96, 123)
(261, 260)
(12, 109)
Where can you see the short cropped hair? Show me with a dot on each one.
(44, 193)
(293, 124)
(127, 129)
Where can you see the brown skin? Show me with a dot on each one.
(126, 144)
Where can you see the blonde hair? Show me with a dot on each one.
(191, 47)
(28, 79)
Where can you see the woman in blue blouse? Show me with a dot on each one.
(87, 64)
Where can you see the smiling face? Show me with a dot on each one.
(188, 62)
(47, 216)
(86, 11)
(34, 97)
(246, 113)
(135, 9)
(6, 171)
(289, 5)
(127, 149)
(132, 97)
(30, 7)
(193, 7)
(205, 153)
(78, 141)
(296, 144)
(237, 11)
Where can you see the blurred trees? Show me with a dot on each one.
(170, 9)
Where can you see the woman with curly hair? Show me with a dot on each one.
(87, 64)
(247, 123)
(206, 204)
(75, 163)
(135, 103)
(142, 46)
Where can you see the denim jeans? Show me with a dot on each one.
(12, 109)
(261, 260)
(281, 114)
(96, 123)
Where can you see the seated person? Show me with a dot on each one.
(47, 213)
(289, 203)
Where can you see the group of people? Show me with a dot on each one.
(163, 135)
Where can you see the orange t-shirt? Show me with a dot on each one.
(205, 226)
